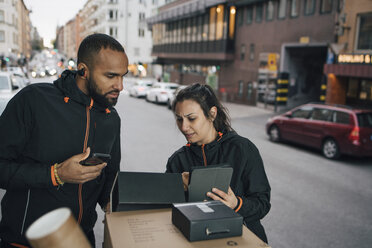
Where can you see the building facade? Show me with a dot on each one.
(241, 47)
(15, 29)
(349, 71)
(125, 20)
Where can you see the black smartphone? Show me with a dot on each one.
(96, 158)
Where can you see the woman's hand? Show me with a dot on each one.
(228, 199)
(185, 180)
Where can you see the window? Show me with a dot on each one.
(341, 117)
(326, 6)
(232, 22)
(302, 113)
(141, 16)
(112, 1)
(295, 7)
(365, 120)
(242, 52)
(113, 31)
(240, 89)
(240, 16)
(1, 15)
(113, 14)
(259, 12)
(364, 32)
(249, 15)
(2, 36)
(309, 7)
(141, 32)
(251, 52)
(270, 11)
(282, 9)
(321, 114)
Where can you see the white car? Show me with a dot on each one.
(140, 88)
(172, 96)
(160, 92)
(7, 89)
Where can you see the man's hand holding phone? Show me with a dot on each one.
(72, 170)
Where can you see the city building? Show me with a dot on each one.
(242, 47)
(15, 29)
(125, 20)
(349, 69)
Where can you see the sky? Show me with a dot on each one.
(47, 14)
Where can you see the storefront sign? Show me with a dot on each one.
(354, 59)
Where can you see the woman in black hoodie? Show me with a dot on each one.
(206, 125)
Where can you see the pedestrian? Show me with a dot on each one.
(205, 123)
(47, 130)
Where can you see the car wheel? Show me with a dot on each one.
(274, 133)
(169, 104)
(330, 149)
(156, 99)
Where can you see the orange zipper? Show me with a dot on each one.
(204, 157)
(88, 108)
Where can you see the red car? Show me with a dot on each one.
(335, 129)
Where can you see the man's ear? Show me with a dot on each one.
(83, 70)
(213, 113)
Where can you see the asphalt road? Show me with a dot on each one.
(315, 202)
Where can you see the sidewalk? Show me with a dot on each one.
(241, 110)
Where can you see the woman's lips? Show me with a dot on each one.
(188, 136)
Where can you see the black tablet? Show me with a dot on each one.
(203, 179)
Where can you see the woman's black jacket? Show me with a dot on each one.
(248, 181)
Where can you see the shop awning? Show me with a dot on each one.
(347, 70)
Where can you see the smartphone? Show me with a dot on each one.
(96, 158)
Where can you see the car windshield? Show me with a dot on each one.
(4, 85)
(365, 119)
(172, 87)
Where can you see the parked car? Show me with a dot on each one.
(334, 129)
(172, 96)
(140, 88)
(8, 89)
(161, 91)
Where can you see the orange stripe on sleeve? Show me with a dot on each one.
(18, 245)
(240, 204)
(53, 176)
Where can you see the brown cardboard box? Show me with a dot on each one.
(154, 228)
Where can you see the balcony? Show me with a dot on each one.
(217, 50)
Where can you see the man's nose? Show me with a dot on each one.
(119, 84)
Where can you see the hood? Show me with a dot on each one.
(67, 84)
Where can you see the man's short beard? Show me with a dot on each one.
(97, 97)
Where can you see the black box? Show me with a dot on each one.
(142, 190)
(206, 220)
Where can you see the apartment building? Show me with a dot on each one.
(349, 69)
(15, 28)
(125, 20)
(241, 45)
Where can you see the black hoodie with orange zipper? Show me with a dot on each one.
(46, 124)
(249, 181)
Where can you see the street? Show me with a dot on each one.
(315, 202)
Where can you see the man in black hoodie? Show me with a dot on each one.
(47, 130)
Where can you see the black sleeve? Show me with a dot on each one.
(15, 130)
(256, 198)
(111, 170)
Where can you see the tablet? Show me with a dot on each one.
(203, 179)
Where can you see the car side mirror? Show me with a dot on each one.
(15, 87)
(288, 115)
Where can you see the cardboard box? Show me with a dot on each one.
(143, 190)
(206, 220)
(153, 228)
